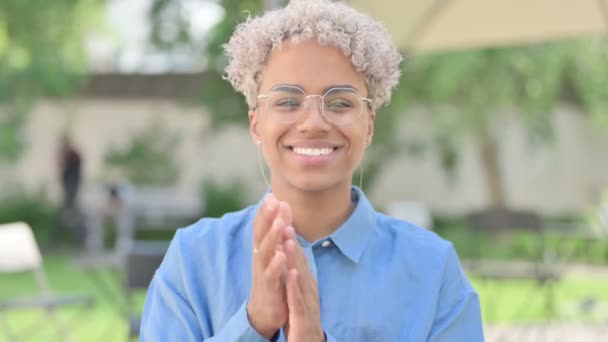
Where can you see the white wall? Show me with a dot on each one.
(562, 178)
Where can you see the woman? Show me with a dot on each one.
(313, 261)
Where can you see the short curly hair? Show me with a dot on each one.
(364, 40)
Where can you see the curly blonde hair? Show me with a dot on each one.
(361, 38)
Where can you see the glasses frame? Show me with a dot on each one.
(368, 101)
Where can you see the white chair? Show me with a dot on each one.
(19, 253)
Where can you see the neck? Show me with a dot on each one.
(317, 214)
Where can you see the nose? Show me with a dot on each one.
(312, 118)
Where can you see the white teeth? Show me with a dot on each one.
(313, 151)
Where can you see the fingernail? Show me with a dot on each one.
(283, 205)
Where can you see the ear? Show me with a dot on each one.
(253, 126)
(370, 127)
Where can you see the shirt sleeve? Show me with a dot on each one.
(168, 314)
(458, 315)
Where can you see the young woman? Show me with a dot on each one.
(313, 260)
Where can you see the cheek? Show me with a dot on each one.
(270, 141)
(357, 138)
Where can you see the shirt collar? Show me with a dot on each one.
(352, 236)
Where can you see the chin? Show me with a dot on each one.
(316, 183)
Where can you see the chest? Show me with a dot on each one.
(381, 303)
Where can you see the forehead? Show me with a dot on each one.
(311, 66)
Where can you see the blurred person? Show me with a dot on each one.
(113, 207)
(69, 164)
(313, 260)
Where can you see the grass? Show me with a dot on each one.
(502, 302)
(104, 322)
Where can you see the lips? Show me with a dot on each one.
(313, 151)
(317, 154)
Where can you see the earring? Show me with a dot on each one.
(261, 163)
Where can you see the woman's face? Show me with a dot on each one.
(311, 154)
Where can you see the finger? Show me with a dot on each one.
(284, 212)
(289, 233)
(275, 269)
(270, 242)
(295, 302)
(290, 253)
(264, 217)
(296, 257)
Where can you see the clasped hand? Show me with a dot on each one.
(284, 292)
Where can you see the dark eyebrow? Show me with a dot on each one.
(342, 87)
(293, 88)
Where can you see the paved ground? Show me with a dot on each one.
(569, 332)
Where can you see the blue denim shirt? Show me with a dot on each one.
(379, 279)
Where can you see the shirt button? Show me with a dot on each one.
(326, 243)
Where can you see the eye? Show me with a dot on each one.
(338, 104)
(287, 103)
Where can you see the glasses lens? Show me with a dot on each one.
(342, 106)
(284, 104)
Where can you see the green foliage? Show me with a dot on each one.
(467, 91)
(41, 53)
(521, 245)
(33, 208)
(11, 143)
(224, 104)
(596, 217)
(221, 198)
(589, 77)
(477, 84)
(148, 159)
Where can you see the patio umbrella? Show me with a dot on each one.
(426, 26)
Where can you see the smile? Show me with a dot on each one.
(313, 152)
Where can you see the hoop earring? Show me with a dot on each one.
(260, 163)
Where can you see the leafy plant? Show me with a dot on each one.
(221, 198)
(41, 54)
(33, 208)
(469, 90)
(148, 159)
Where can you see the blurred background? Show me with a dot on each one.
(116, 129)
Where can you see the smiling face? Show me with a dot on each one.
(310, 153)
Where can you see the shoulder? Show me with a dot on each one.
(210, 238)
(207, 231)
(419, 239)
(423, 252)
(418, 247)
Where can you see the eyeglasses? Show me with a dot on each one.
(341, 106)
